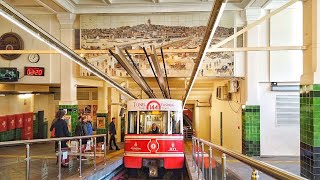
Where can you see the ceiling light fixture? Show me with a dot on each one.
(214, 19)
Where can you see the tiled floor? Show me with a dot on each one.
(43, 162)
(239, 170)
(291, 164)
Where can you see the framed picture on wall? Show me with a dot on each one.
(87, 109)
(101, 122)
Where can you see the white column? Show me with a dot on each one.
(311, 39)
(257, 62)
(103, 98)
(68, 79)
(114, 109)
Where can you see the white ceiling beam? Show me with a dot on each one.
(151, 8)
(107, 1)
(51, 6)
(252, 25)
(67, 5)
(247, 3)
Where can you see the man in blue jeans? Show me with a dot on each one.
(112, 132)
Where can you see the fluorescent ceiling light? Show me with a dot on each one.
(24, 96)
(215, 16)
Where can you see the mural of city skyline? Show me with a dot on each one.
(168, 32)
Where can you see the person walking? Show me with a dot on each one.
(112, 132)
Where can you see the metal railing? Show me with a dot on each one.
(199, 155)
(188, 132)
(59, 152)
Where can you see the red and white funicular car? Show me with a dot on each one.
(154, 135)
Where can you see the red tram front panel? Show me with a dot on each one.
(170, 148)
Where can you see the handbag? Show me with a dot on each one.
(53, 132)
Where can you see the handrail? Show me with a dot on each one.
(256, 164)
(48, 140)
(59, 150)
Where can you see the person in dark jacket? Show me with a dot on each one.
(154, 129)
(61, 127)
(82, 130)
(112, 132)
(61, 130)
(52, 129)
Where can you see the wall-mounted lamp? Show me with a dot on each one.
(24, 96)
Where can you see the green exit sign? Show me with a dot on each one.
(9, 74)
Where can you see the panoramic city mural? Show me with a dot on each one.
(169, 31)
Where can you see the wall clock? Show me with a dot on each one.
(34, 58)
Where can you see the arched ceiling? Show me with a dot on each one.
(134, 6)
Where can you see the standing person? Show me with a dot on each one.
(112, 132)
(52, 129)
(82, 130)
(89, 127)
(61, 130)
(154, 129)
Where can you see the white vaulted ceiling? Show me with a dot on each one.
(133, 6)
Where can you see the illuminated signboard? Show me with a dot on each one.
(34, 71)
(9, 75)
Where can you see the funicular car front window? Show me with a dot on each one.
(153, 122)
(175, 122)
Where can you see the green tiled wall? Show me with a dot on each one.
(103, 131)
(310, 131)
(251, 130)
(73, 111)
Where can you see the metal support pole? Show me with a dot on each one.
(224, 166)
(210, 163)
(95, 152)
(80, 167)
(198, 158)
(105, 149)
(193, 156)
(254, 175)
(202, 149)
(28, 161)
(59, 160)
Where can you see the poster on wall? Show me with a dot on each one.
(101, 122)
(87, 109)
(169, 31)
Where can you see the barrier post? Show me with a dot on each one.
(28, 161)
(59, 160)
(254, 175)
(95, 152)
(105, 149)
(210, 163)
(202, 149)
(224, 166)
(80, 166)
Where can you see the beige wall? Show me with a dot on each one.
(231, 119)
(12, 104)
(51, 62)
(202, 122)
